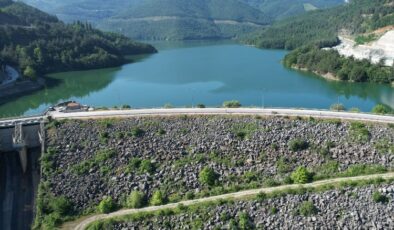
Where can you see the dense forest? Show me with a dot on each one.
(281, 9)
(39, 43)
(186, 20)
(162, 19)
(347, 69)
(321, 27)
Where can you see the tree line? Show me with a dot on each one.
(38, 43)
(347, 69)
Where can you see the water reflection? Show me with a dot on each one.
(203, 72)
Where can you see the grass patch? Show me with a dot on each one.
(244, 130)
(363, 39)
(98, 160)
(379, 197)
(51, 211)
(359, 132)
(384, 146)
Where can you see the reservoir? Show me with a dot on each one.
(184, 74)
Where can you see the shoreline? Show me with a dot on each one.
(20, 88)
(327, 76)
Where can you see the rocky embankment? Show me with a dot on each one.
(92, 159)
(349, 208)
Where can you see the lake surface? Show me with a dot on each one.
(186, 73)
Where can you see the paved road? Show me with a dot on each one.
(83, 223)
(219, 111)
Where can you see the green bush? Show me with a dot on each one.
(381, 109)
(137, 132)
(161, 131)
(244, 221)
(126, 107)
(201, 106)
(136, 199)
(147, 166)
(379, 198)
(301, 175)
(244, 130)
(283, 166)
(354, 110)
(298, 145)
(337, 107)
(61, 205)
(157, 198)
(106, 205)
(208, 176)
(326, 170)
(359, 132)
(361, 169)
(307, 208)
(232, 104)
(384, 146)
(273, 210)
(261, 196)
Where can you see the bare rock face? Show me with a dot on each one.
(381, 49)
(96, 158)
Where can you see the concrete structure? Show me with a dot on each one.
(21, 136)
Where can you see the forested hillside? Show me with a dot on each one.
(280, 9)
(346, 69)
(39, 43)
(193, 19)
(321, 27)
(162, 19)
(180, 19)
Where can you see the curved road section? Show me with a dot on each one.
(223, 111)
(83, 224)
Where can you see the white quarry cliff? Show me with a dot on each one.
(380, 49)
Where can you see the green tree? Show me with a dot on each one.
(244, 221)
(307, 208)
(147, 166)
(208, 176)
(337, 107)
(298, 145)
(381, 109)
(301, 175)
(30, 72)
(136, 199)
(231, 104)
(157, 198)
(379, 198)
(106, 205)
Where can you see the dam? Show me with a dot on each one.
(21, 145)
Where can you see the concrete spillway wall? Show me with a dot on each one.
(30, 133)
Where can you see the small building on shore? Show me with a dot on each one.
(70, 106)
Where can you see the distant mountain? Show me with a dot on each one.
(280, 9)
(192, 19)
(323, 26)
(38, 43)
(162, 19)
(82, 10)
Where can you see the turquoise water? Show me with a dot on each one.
(184, 74)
